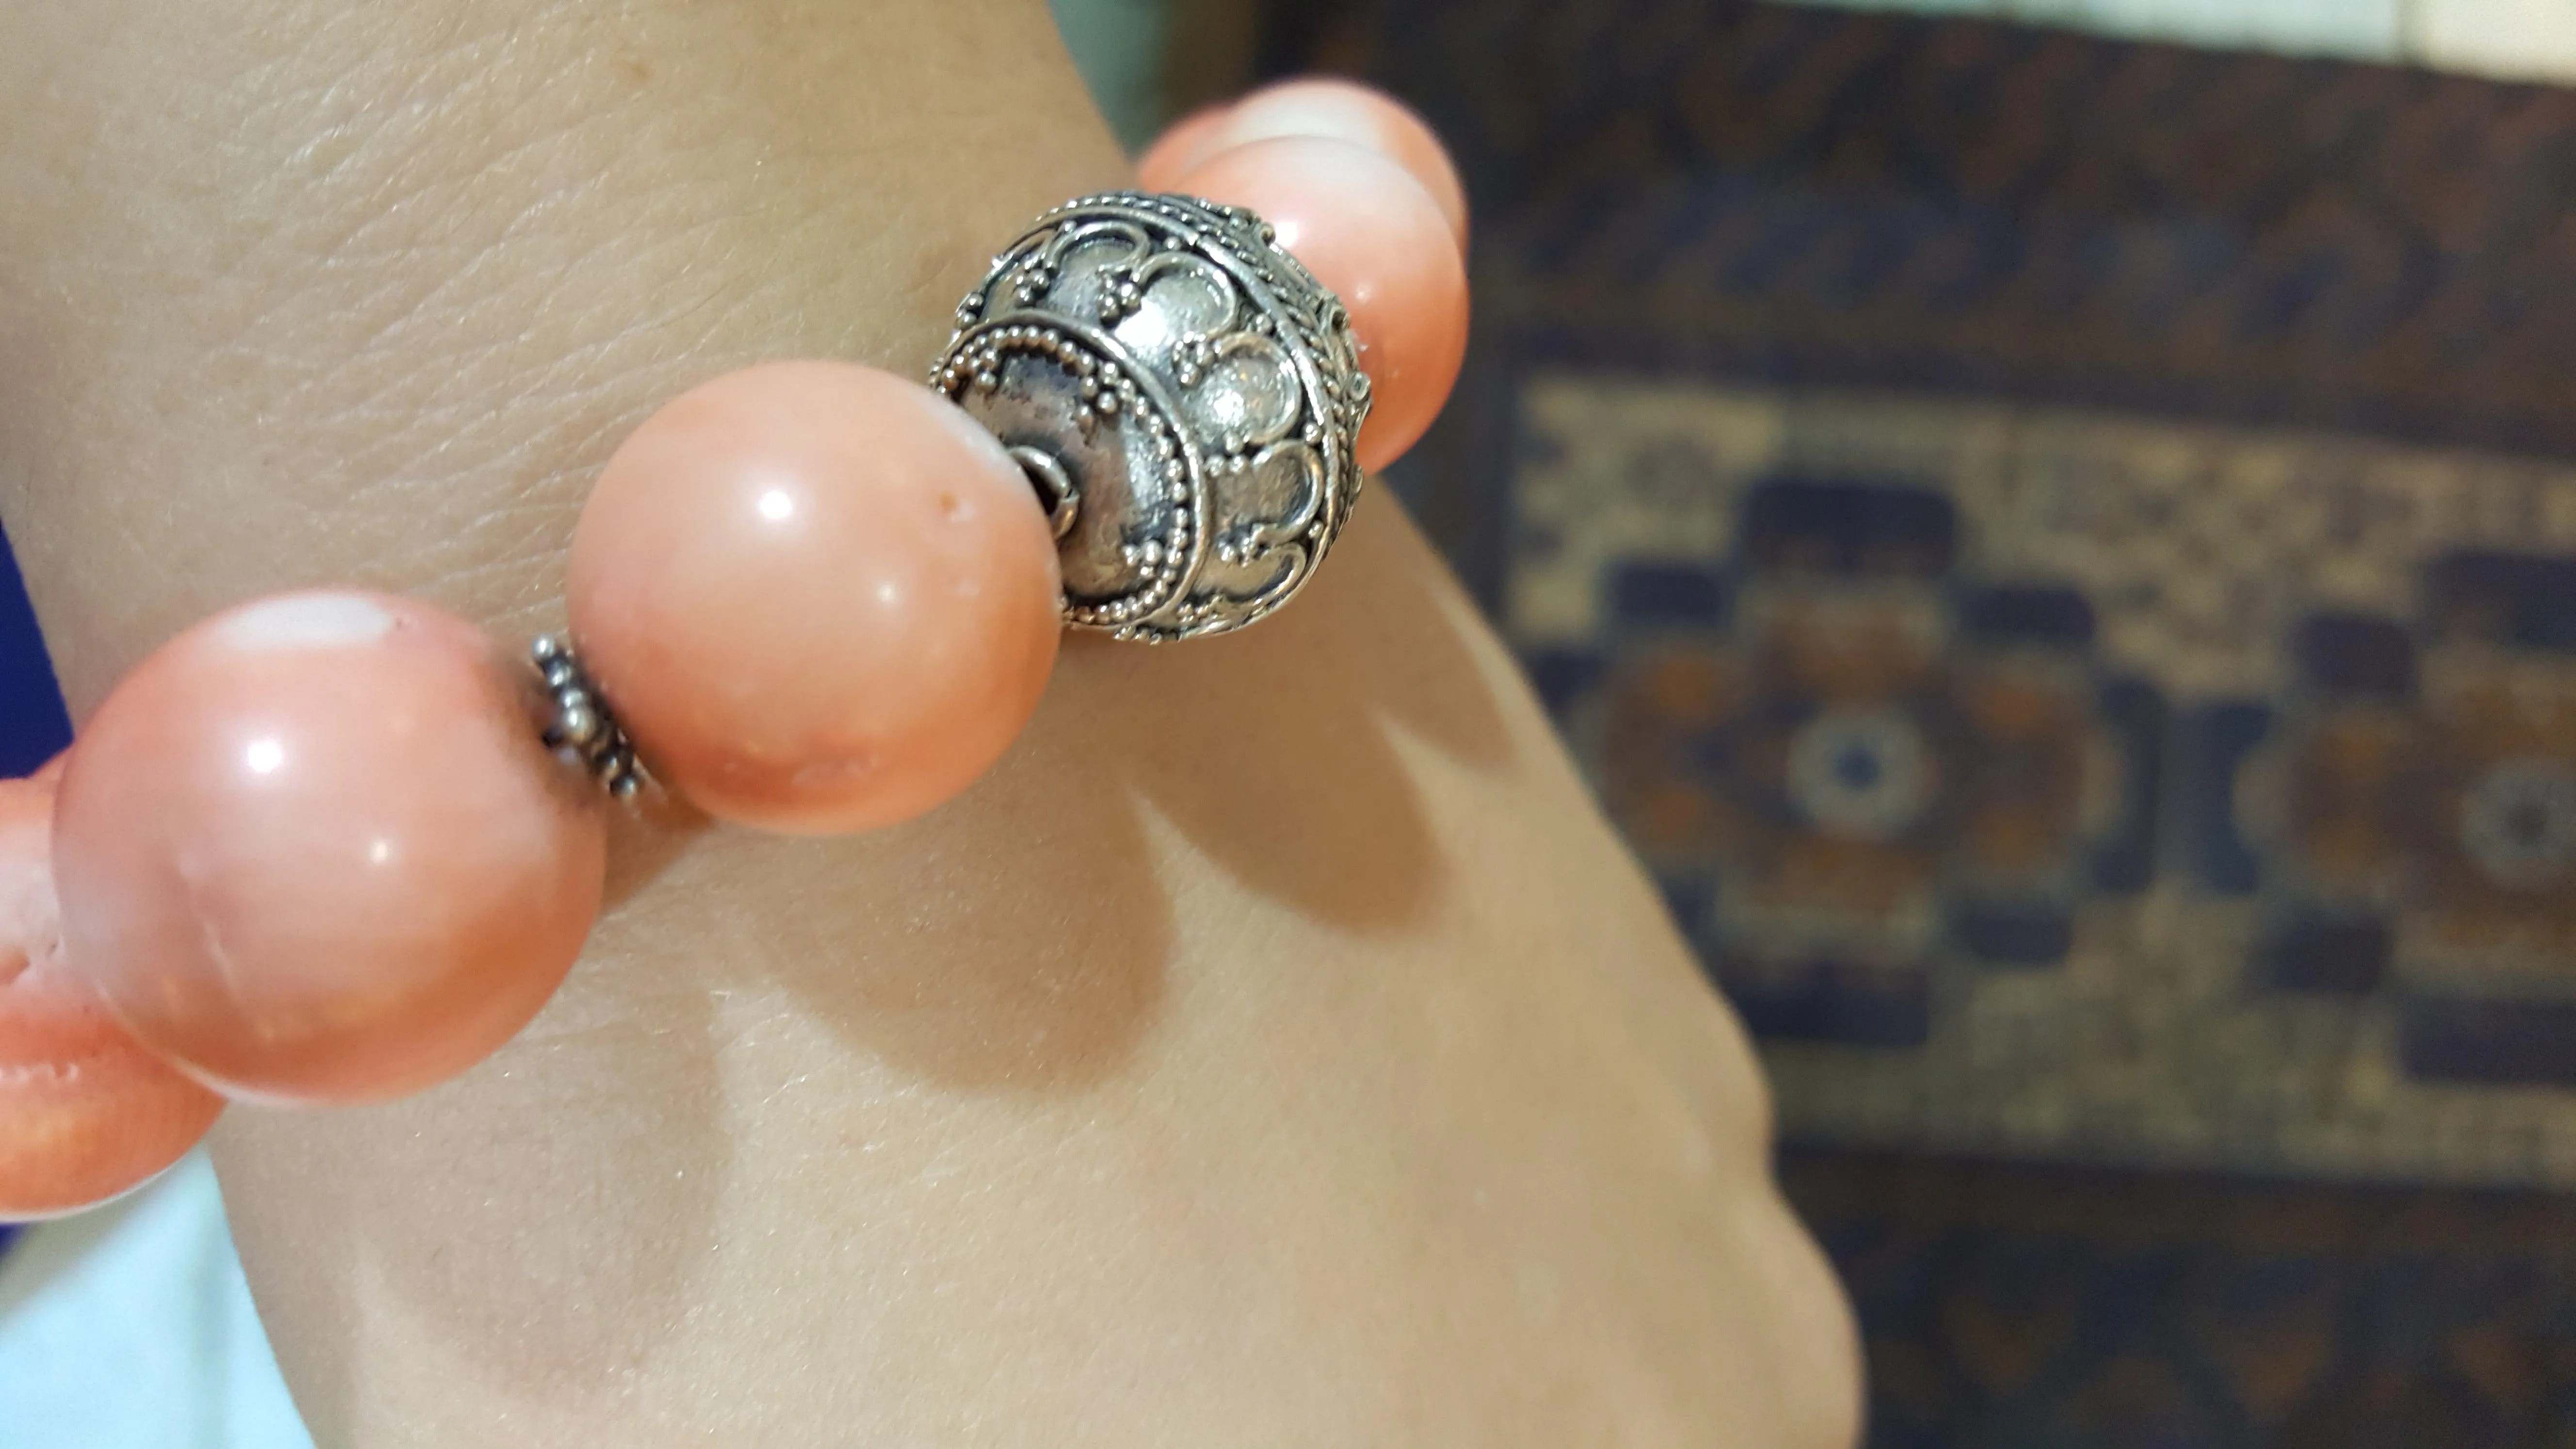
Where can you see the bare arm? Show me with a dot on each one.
(1276, 1049)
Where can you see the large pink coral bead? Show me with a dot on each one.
(1319, 106)
(85, 1112)
(312, 850)
(1370, 232)
(817, 596)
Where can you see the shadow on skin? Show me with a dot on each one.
(549, 1212)
(608, 1106)
(1027, 960)
(1035, 959)
(1031, 959)
(1271, 749)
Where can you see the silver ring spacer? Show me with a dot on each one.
(1185, 397)
(579, 725)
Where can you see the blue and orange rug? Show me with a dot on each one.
(2060, 554)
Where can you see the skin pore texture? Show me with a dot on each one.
(1276, 1048)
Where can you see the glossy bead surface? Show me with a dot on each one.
(1370, 232)
(85, 1112)
(817, 596)
(1315, 106)
(1183, 144)
(312, 851)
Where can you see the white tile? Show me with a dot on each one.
(2364, 29)
(2514, 39)
(2357, 29)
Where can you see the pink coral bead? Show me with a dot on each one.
(818, 596)
(312, 850)
(1317, 106)
(1370, 232)
(85, 1112)
(1184, 144)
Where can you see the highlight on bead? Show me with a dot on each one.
(313, 850)
(86, 1113)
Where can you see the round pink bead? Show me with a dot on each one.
(312, 850)
(1183, 144)
(1317, 106)
(1370, 232)
(818, 596)
(85, 1112)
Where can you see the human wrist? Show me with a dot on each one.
(378, 317)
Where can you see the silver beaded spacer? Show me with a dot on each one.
(580, 727)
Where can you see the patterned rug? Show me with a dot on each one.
(2014, 1306)
(2060, 554)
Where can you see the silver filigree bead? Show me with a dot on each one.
(580, 726)
(1185, 397)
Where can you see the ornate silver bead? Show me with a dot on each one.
(1184, 397)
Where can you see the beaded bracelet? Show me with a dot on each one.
(332, 847)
